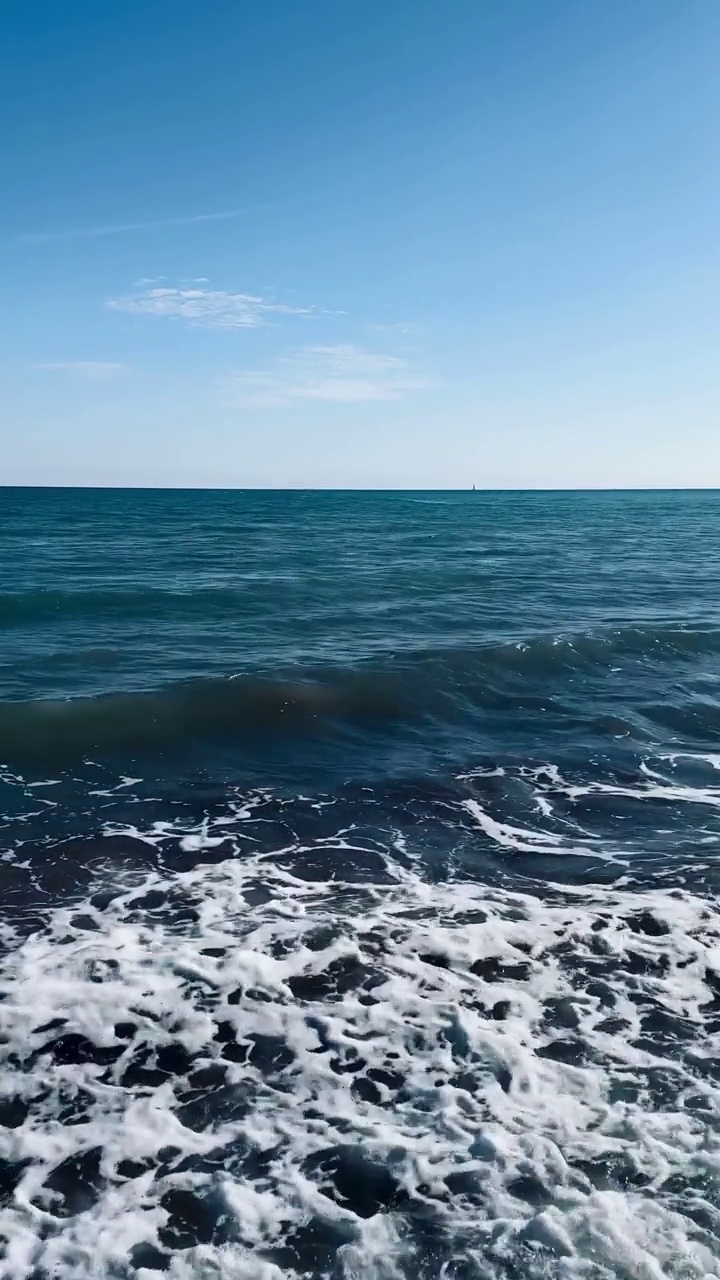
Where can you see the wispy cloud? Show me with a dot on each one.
(209, 308)
(340, 374)
(90, 370)
(398, 328)
(122, 228)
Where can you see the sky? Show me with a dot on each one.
(401, 243)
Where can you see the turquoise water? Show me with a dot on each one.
(343, 834)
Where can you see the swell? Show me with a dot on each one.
(214, 709)
(544, 655)
(28, 608)
(570, 681)
(541, 654)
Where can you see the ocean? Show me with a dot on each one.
(359, 870)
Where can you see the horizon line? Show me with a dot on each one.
(209, 488)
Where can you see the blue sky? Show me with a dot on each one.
(406, 243)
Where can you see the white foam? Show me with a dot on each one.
(652, 785)
(525, 840)
(705, 757)
(596, 1162)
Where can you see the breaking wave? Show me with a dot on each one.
(440, 685)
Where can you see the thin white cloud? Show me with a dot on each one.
(91, 370)
(122, 228)
(209, 308)
(399, 328)
(340, 374)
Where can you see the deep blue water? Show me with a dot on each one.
(343, 835)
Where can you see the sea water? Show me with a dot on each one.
(359, 867)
